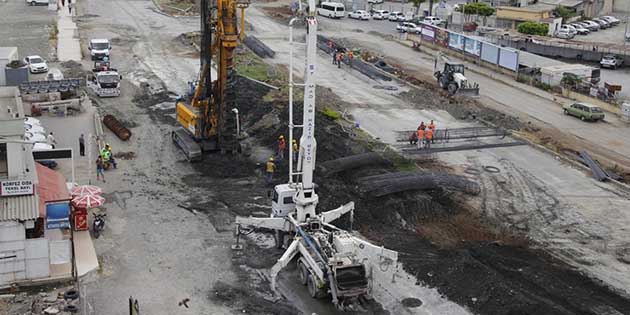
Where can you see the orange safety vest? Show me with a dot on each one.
(429, 134)
(350, 54)
(420, 134)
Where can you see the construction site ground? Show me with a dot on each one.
(542, 237)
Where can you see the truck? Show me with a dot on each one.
(99, 48)
(104, 80)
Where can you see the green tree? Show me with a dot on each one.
(416, 4)
(478, 8)
(563, 12)
(533, 28)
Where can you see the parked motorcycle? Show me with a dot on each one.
(98, 224)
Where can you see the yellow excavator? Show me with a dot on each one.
(208, 115)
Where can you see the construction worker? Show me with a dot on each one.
(271, 168)
(350, 57)
(429, 138)
(296, 150)
(432, 128)
(413, 138)
(422, 126)
(334, 55)
(282, 145)
(420, 138)
(110, 155)
(339, 59)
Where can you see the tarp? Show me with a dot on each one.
(489, 53)
(472, 46)
(508, 58)
(456, 41)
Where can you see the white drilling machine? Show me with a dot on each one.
(329, 260)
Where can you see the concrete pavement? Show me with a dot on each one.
(68, 45)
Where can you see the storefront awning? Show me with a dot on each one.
(51, 187)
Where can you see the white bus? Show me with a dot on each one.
(332, 9)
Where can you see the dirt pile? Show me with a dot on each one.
(73, 69)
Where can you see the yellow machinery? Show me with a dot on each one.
(208, 115)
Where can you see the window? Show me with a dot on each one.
(4, 167)
(287, 200)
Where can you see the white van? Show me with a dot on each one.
(99, 48)
(332, 9)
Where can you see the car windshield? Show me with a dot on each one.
(108, 78)
(100, 45)
(609, 57)
(596, 110)
(37, 60)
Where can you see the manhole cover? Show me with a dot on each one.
(411, 302)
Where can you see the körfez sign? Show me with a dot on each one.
(16, 187)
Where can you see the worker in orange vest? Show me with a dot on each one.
(350, 57)
(429, 138)
(420, 138)
(339, 59)
(432, 128)
(282, 145)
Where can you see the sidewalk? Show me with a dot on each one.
(68, 45)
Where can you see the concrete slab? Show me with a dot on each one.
(68, 44)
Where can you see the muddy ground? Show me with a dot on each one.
(469, 260)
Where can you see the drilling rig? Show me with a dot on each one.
(329, 260)
(208, 114)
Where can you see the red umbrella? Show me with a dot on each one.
(86, 190)
(88, 201)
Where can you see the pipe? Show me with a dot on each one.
(291, 126)
(115, 126)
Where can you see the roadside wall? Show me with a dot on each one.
(470, 48)
(571, 51)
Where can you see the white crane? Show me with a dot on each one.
(330, 260)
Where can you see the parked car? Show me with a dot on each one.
(581, 30)
(611, 61)
(54, 74)
(611, 19)
(393, 16)
(359, 15)
(34, 137)
(380, 15)
(32, 121)
(37, 2)
(40, 146)
(602, 23)
(564, 34)
(404, 27)
(592, 26)
(569, 29)
(36, 64)
(34, 128)
(375, 1)
(432, 20)
(584, 111)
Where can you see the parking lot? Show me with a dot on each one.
(613, 35)
(26, 27)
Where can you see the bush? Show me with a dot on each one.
(533, 28)
(331, 113)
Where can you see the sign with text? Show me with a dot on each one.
(16, 187)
